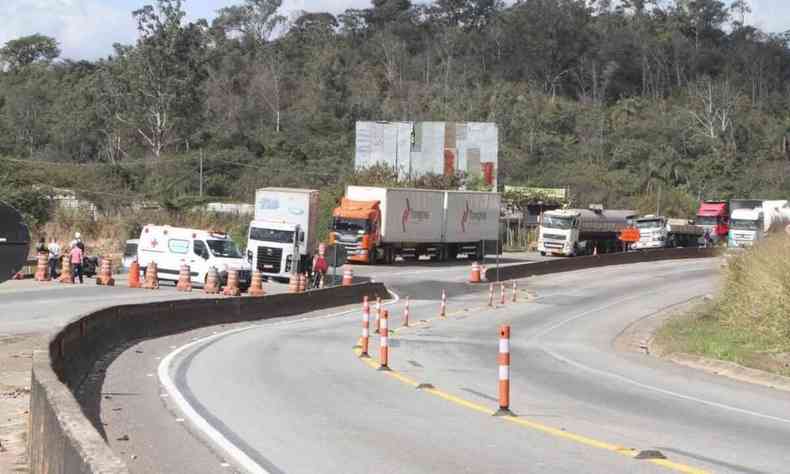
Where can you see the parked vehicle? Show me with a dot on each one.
(379, 224)
(282, 237)
(750, 225)
(170, 247)
(662, 232)
(129, 253)
(714, 217)
(574, 232)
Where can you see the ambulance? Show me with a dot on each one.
(170, 247)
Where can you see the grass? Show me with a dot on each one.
(749, 322)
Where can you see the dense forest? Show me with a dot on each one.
(613, 99)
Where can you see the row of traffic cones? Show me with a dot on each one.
(103, 278)
(211, 286)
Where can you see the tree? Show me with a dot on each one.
(27, 50)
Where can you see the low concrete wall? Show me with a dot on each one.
(63, 439)
(603, 260)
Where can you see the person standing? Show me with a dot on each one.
(320, 267)
(54, 255)
(78, 239)
(75, 255)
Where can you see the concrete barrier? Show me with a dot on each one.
(65, 432)
(580, 263)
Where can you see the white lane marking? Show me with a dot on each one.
(201, 423)
(632, 381)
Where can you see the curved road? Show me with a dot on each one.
(295, 397)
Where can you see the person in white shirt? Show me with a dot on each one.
(54, 255)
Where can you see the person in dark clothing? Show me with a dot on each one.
(41, 247)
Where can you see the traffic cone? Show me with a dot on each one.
(232, 286)
(293, 284)
(184, 278)
(406, 314)
(65, 271)
(212, 282)
(41, 267)
(256, 285)
(105, 273)
(443, 307)
(595, 250)
(348, 276)
(151, 277)
(475, 276)
(134, 275)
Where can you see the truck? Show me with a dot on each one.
(573, 232)
(714, 218)
(376, 224)
(750, 225)
(282, 236)
(663, 232)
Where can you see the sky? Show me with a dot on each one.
(87, 29)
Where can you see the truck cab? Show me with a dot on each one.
(652, 232)
(713, 217)
(559, 232)
(355, 226)
(746, 227)
(272, 248)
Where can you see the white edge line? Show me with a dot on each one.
(201, 423)
(579, 365)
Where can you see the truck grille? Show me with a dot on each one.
(269, 259)
(553, 245)
(554, 236)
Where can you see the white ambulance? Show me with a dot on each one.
(170, 247)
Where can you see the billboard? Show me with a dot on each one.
(419, 148)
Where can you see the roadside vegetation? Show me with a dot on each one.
(749, 321)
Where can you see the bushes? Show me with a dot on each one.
(756, 295)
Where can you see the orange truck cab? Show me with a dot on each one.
(355, 226)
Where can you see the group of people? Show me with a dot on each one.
(76, 254)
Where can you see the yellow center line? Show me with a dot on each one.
(559, 433)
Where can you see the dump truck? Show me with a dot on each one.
(282, 237)
(663, 232)
(376, 224)
(573, 232)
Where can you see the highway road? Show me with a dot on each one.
(292, 395)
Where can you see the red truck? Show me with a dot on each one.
(714, 217)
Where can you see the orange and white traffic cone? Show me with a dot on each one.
(105, 273)
(515, 290)
(293, 284)
(443, 307)
(348, 276)
(212, 282)
(184, 278)
(151, 277)
(134, 275)
(595, 250)
(502, 293)
(504, 372)
(384, 342)
(66, 276)
(256, 284)
(406, 313)
(364, 341)
(232, 285)
(41, 267)
(475, 276)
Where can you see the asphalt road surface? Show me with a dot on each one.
(292, 395)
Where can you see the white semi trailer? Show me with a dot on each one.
(379, 224)
(282, 237)
(750, 225)
(572, 232)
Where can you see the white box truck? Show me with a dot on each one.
(282, 236)
(378, 224)
(750, 225)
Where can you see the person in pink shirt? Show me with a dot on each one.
(75, 255)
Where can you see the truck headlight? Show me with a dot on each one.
(249, 255)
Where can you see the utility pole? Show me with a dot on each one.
(658, 202)
(201, 173)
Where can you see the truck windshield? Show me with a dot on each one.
(707, 220)
(648, 224)
(555, 222)
(272, 235)
(744, 224)
(223, 248)
(341, 224)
